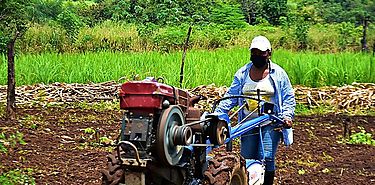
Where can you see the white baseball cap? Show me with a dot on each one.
(261, 43)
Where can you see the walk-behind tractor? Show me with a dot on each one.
(165, 140)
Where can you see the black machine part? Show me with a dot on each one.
(217, 131)
(137, 129)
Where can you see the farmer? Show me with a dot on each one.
(274, 85)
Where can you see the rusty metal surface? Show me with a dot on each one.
(193, 114)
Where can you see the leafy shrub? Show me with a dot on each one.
(11, 141)
(362, 137)
(122, 36)
(107, 36)
(44, 38)
(71, 22)
(46, 10)
(211, 37)
(274, 9)
(318, 36)
(301, 33)
(3, 43)
(17, 176)
(349, 35)
(229, 16)
(170, 38)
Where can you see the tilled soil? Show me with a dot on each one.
(318, 157)
(61, 149)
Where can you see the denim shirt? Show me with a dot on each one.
(284, 96)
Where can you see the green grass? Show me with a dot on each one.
(305, 110)
(201, 67)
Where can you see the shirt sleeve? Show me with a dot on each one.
(288, 98)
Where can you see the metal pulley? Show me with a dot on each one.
(172, 135)
(217, 131)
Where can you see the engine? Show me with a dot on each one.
(154, 124)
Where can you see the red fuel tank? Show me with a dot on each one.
(145, 94)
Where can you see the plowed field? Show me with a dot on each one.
(61, 149)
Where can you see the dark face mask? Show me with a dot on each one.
(259, 61)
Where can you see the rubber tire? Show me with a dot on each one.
(114, 174)
(226, 168)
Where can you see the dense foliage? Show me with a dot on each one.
(14, 19)
(141, 25)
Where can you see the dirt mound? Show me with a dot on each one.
(359, 96)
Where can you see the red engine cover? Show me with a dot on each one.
(145, 95)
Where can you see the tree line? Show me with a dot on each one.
(201, 12)
(17, 15)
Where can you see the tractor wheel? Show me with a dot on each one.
(226, 168)
(115, 174)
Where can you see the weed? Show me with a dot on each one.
(89, 131)
(308, 163)
(312, 135)
(92, 137)
(305, 110)
(361, 137)
(31, 121)
(301, 171)
(327, 157)
(10, 141)
(105, 141)
(34, 126)
(2, 110)
(3, 149)
(17, 176)
(326, 170)
(97, 106)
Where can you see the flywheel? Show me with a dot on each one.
(170, 124)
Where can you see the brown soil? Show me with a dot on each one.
(59, 151)
(318, 152)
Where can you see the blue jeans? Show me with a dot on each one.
(251, 148)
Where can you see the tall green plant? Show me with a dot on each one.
(274, 9)
(349, 35)
(46, 10)
(202, 67)
(301, 33)
(71, 22)
(229, 16)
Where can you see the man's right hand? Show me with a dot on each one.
(288, 123)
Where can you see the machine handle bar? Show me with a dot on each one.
(235, 96)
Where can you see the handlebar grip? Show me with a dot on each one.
(278, 120)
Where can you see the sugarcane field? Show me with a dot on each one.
(172, 92)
